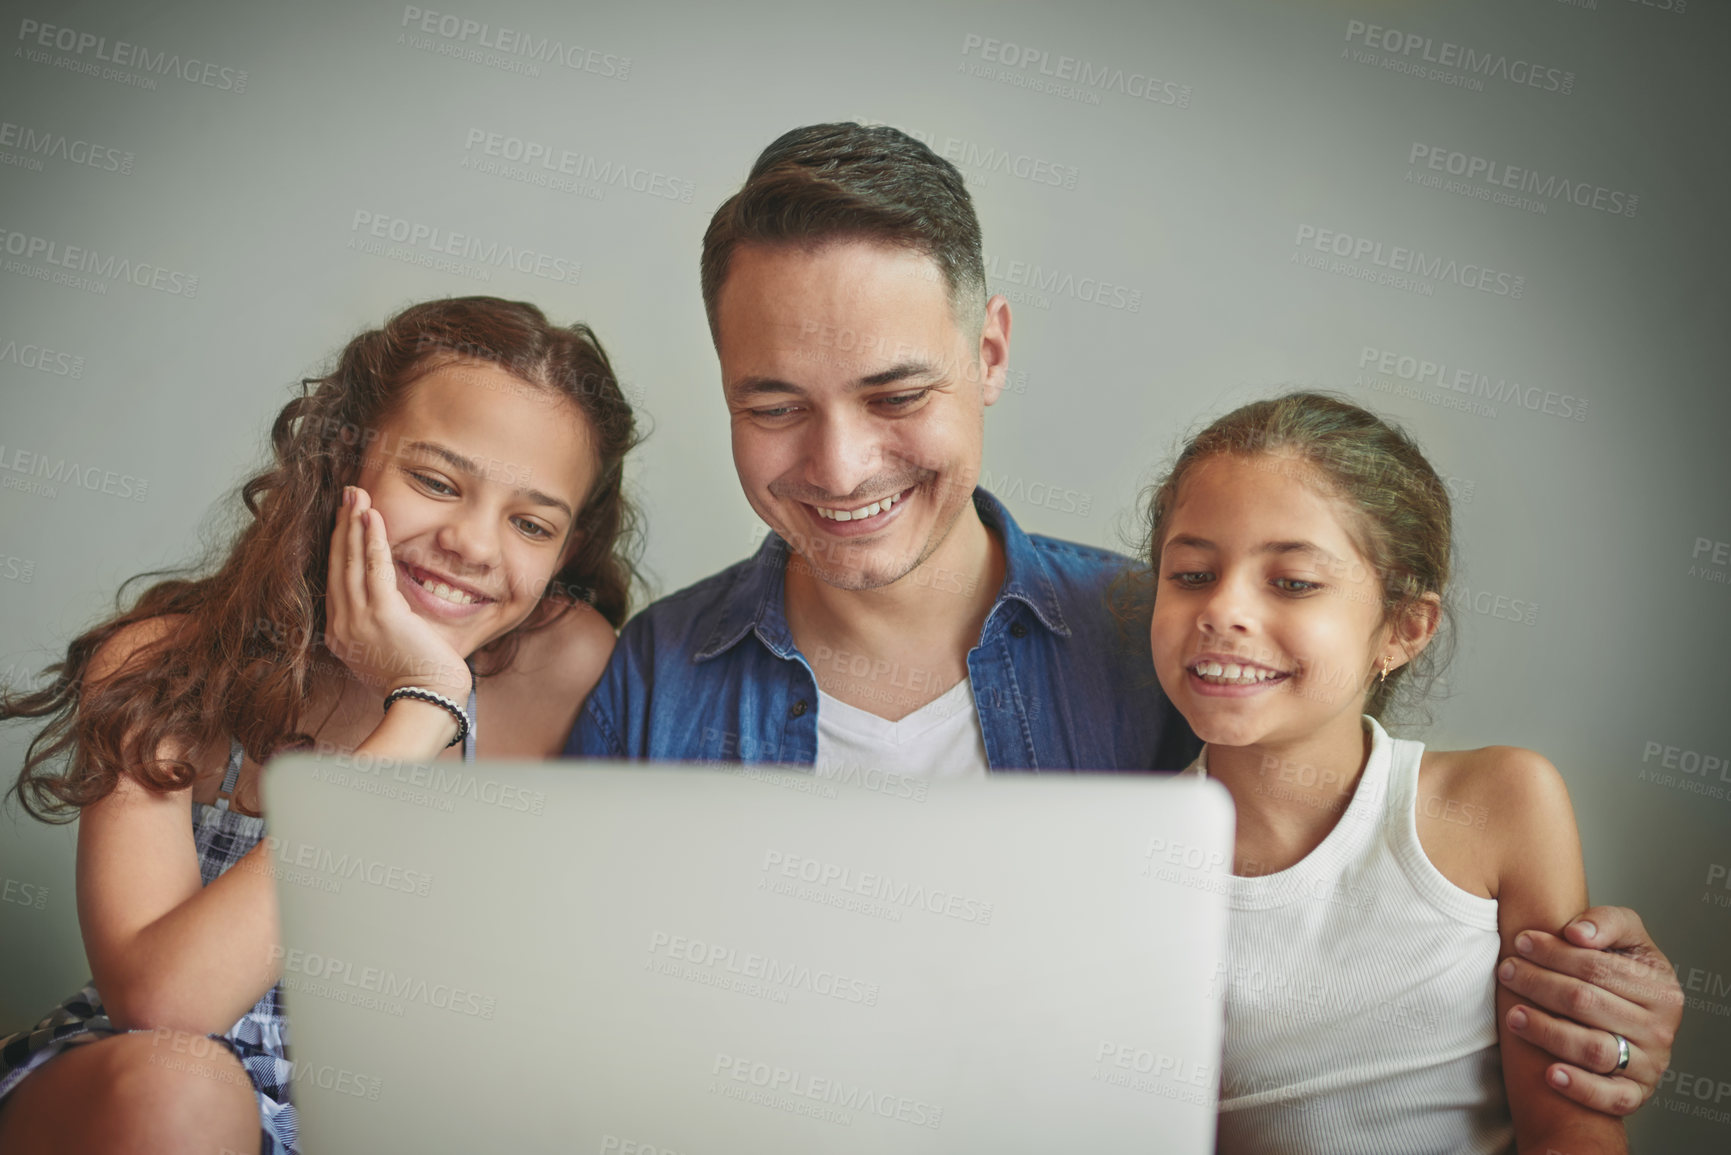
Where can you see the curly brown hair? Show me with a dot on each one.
(241, 648)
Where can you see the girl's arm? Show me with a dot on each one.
(1540, 883)
(164, 950)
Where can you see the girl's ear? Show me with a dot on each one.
(1413, 630)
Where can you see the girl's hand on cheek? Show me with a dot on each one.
(369, 626)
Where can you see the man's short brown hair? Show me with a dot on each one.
(832, 182)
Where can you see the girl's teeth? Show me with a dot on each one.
(440, 590)
(1233, 674)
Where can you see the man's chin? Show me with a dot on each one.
(851, 577)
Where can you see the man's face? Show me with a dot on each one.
(857, 402)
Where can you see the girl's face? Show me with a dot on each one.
(479, 476)
(1267, 618)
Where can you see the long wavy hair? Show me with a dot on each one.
(240, 649)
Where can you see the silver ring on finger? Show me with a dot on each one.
(1622, 1055)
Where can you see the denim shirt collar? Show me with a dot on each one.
(755, 603)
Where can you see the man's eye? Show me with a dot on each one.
(903, 400)
(772, 414)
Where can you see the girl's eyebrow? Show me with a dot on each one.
(1275, 547)
(458, 461)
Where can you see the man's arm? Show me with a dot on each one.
(1605, 974)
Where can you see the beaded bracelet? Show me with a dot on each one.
(436, 699)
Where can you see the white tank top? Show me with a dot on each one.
(1360, 991)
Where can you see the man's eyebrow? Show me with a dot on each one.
(753, 386)
(900, 372)
(458, 461)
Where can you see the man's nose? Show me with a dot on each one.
(841, 454)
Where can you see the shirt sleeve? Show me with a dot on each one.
(597, 732)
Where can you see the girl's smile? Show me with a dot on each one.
(1267, 618)
(479, 490)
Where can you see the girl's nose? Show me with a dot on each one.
(472, 536)
(1227, 609)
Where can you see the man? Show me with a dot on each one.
(897, 619)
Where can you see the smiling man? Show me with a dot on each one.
(897, 620)
(897, 624)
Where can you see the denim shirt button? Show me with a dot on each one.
(1018, 630)
(799, 708)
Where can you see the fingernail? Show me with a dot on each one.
(1506, 972)
(1524, 943)
(1560, 1078)
(348, 495)
(1518, 1019)
(1588, 928)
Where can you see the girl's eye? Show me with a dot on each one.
(535, 529)
(432, 483)
(1189, 579)
(1295, 585)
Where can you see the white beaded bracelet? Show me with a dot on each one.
(436, 699)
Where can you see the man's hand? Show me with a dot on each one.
(1606, 975)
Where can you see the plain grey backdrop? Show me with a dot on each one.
(1501, 222)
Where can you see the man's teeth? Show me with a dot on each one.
(859, 514)
(440, 590)
(1232, 674)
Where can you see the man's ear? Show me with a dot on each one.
(994, 349)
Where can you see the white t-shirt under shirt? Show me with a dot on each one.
(941, 739)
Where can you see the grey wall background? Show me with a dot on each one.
(1188, 204)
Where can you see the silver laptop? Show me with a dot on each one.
(683, 960)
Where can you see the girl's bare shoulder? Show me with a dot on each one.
(1480, 812)
(538, 697)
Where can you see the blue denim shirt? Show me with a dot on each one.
(711, 673)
